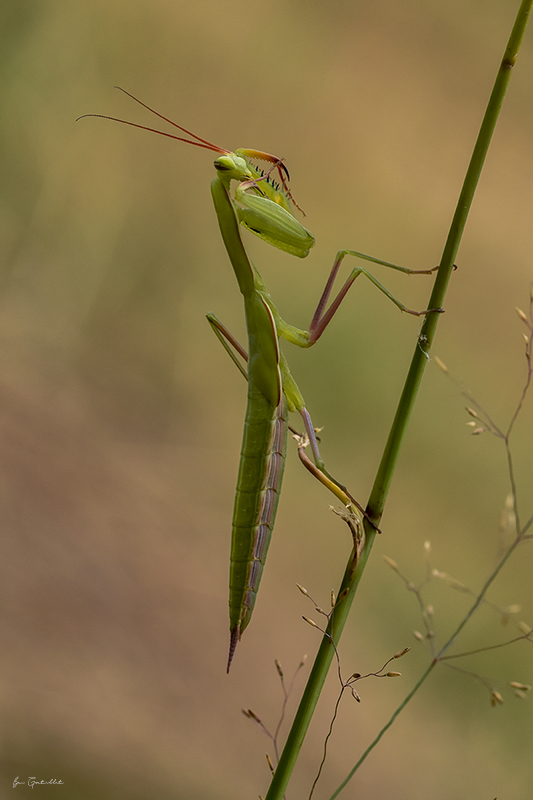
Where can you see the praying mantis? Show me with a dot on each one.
(263, 207)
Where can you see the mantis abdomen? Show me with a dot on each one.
(261, 468)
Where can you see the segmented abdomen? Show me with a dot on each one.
(256, 500)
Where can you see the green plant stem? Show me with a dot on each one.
(352, 576)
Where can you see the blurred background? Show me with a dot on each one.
(121, 417)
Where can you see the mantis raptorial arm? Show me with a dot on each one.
(263, 207)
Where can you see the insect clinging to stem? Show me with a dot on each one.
(263, 207)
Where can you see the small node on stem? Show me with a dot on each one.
(513, 609)
(479, 430)
(455, 584)
(251, 715)
(495, 698)
(310, 622)
(392, 564)
(402, 652)
(522, 687)
(355, 695)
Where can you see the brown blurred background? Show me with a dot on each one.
(121, 417)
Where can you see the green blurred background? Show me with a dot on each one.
(121, 417)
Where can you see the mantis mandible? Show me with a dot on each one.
(264, 208)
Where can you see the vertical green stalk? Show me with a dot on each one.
(385, 472)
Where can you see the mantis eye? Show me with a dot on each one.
(224, 164)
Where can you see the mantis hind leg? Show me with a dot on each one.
(317, 468)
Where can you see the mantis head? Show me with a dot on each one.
(234, 166)
(264, 205)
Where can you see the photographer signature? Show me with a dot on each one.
(34, 782)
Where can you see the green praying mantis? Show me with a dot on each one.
(263, 207)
